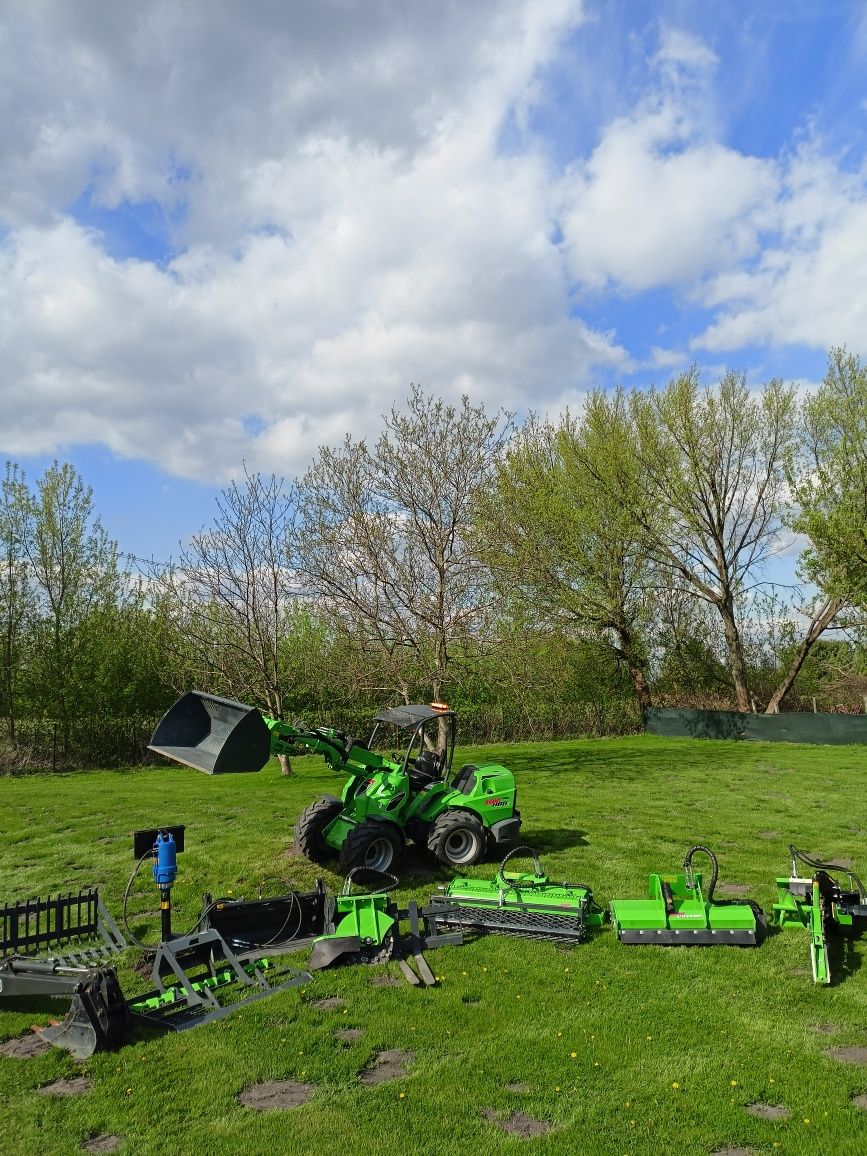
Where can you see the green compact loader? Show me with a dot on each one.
(386, 798)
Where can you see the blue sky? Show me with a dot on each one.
(231, 233)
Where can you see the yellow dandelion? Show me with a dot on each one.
(402, 1096)
(463, 973)
(632, 1123)
(806, 1119)
(772, 1081)
(557, 1089)
(573, 1055)
(596, 1064)
(675, 1085)
(733, 1083)
(649, 1037)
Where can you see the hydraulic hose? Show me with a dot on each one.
(687, 867)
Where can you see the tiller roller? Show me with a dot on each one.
(677, 913)
(526, 904)
(818, 902)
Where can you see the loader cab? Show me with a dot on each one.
(427, 735)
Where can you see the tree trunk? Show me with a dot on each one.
(285, 765)
(736, 655)
(821, 621)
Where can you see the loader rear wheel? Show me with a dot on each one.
(457, 839)
(310, 828)
(372, 844)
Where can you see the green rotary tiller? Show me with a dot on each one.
(525, 904)
(676, 912)
(818, 902)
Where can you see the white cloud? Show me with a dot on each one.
(349, 226)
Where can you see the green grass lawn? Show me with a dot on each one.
(618, 1049)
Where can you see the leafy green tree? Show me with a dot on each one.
(559, 531)
(827, 470)
(714, 460)
(16, 597)
(76, 578)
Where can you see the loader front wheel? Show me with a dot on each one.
(372, 844)
(310, 829)
(457, 839)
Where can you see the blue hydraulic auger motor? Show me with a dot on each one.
(163, 844)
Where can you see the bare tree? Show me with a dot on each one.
(385, 539)
(232, 592)
(714, 459)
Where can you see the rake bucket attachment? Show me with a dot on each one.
(214, 735)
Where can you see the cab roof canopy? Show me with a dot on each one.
(410, 716)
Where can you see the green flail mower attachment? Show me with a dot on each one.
(818, 902)
(677, 913)
(525, 904)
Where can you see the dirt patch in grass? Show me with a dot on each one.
(329, 1003)
(274, 1095)
(386, 981)
(855, 1055)
(732, 1152)
(517, 1086)
(24, 1047)
(102, 1144)
(732, 888)
(73, 1086)
(389, 1065)
(860, 1101)
(825, 1029)
(769, 1111)
(350, 1035)
(518, 1124)
(764, 835)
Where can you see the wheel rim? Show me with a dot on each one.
(460, 846)
(379, 855)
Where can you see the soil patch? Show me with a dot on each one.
(762, 835)
(275, 1094)
(732, 1152)
(856, 1055)
(74, 1086)
(825, 1029)
(769, 1111)
(23, 1047)
(860, 1101)
(518, 1124)
(388, 1065)
(517, 1086)
(386, 981)
(350, 1035)
(102, 1144)
(732, 888)
(328, 1004)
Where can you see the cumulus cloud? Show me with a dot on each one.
(339, 223)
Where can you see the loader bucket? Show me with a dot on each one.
(214, 735)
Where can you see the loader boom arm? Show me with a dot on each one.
(340, 751)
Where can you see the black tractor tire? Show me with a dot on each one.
(457, 839)
(311, 823)
(373, 844)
